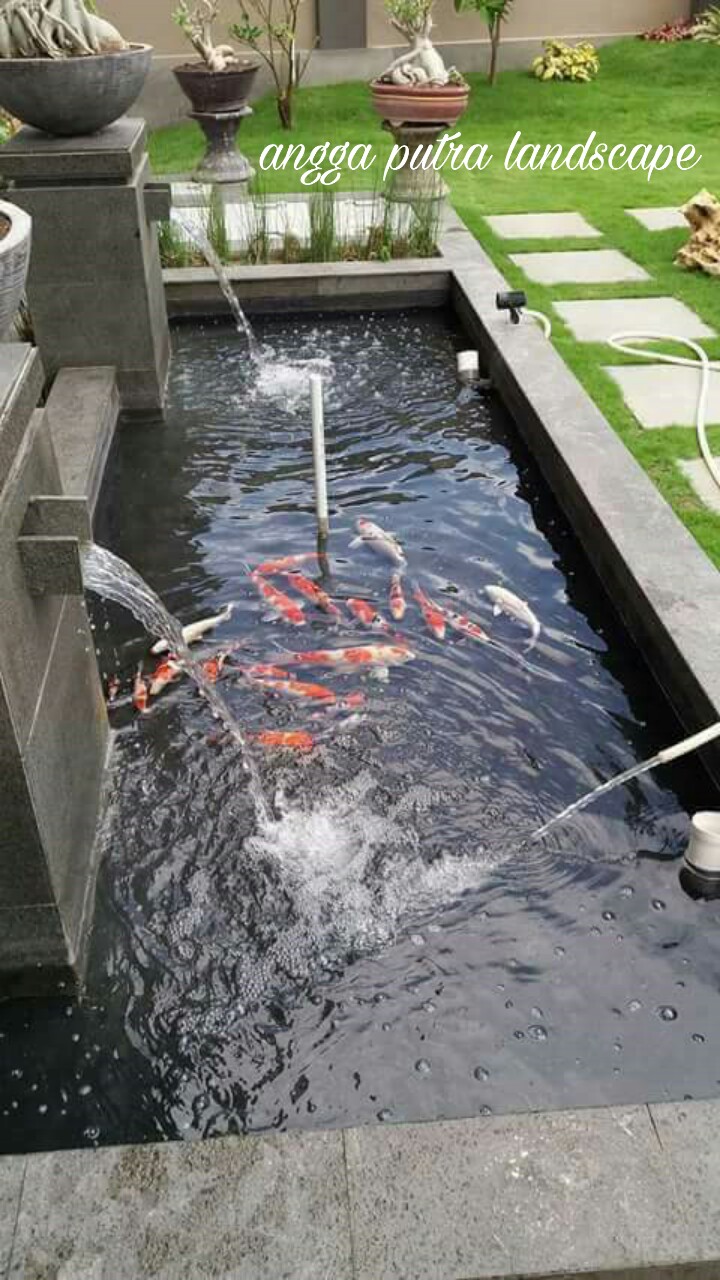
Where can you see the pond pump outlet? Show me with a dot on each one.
(514, 301)
(700, 874)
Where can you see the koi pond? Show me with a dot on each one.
(389, 946)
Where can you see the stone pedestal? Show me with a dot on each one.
(223, 163)
(95, 287)
(406, 184)
(53, 726)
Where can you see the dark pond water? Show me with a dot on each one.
(388, 949)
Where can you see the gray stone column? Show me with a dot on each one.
(342, 25)
(95, 287)
(53, 725)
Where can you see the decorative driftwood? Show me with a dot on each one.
(54, 29)
(702, 252)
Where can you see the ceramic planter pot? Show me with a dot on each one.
(217, 92)
(424, 104)
(14, 261)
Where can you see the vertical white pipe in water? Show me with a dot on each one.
(318, 434)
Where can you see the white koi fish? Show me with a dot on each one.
(504, 601)
(193, 633)
(378, 540)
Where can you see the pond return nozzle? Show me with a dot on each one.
(319, 460)
(700, 875)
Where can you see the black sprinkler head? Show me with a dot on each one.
(701, 886)
(514, 301)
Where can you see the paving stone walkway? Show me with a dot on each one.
(621, 1191)
(658, 395)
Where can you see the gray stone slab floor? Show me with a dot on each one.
(620, 1191)
(696, 472)
(658, 219)
(541, 226)
(598, 320)
(589, 266)
(662, 396)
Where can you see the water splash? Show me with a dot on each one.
(110, 577)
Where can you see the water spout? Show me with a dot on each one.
(198, 236)
(676, 752)
(110, 577)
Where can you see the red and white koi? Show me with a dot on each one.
(436, 618)
(368, 615)
(314, 693)
(296, 740)
(195, 632)
(381, 656)
(466, 627)
(213, 667)
(398, 603)
(165, 673)
(264, 671)
(278, 603)
(313, 593)
(140, 692)
(380, 541)
(287, 563)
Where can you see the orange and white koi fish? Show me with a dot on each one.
(278, 603)
(164, 675)
(193, 633)
(466, 627)
(314, 693)
(286, 563)
(296, 740)
(213, 667)
(264, 671)
(368, 615)
(398, 603)
(113, 689)
(380, 541)
(435, 617)
(140, 693)
(369, 657)
(313, 593)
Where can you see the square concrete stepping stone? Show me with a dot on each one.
(695, 470)
(598, 320)
(541, 226)
(589, 266)
(660, 219)
(661, 396)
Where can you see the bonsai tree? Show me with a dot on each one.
(55, 29)
(422, 64)
(270, 27)
(495, 12)
(197, 25)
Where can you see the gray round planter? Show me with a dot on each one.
(69, 97)
(14, 262)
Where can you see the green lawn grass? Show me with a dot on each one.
(645, 93)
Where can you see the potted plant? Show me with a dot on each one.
(64, 69)
(220, 80)
(417, 88)
(15, 239)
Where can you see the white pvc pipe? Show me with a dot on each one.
(690, 744)
(621, 342)
(319, 462)
(468, 364)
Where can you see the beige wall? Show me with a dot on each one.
(539, 18)
(150, 21)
